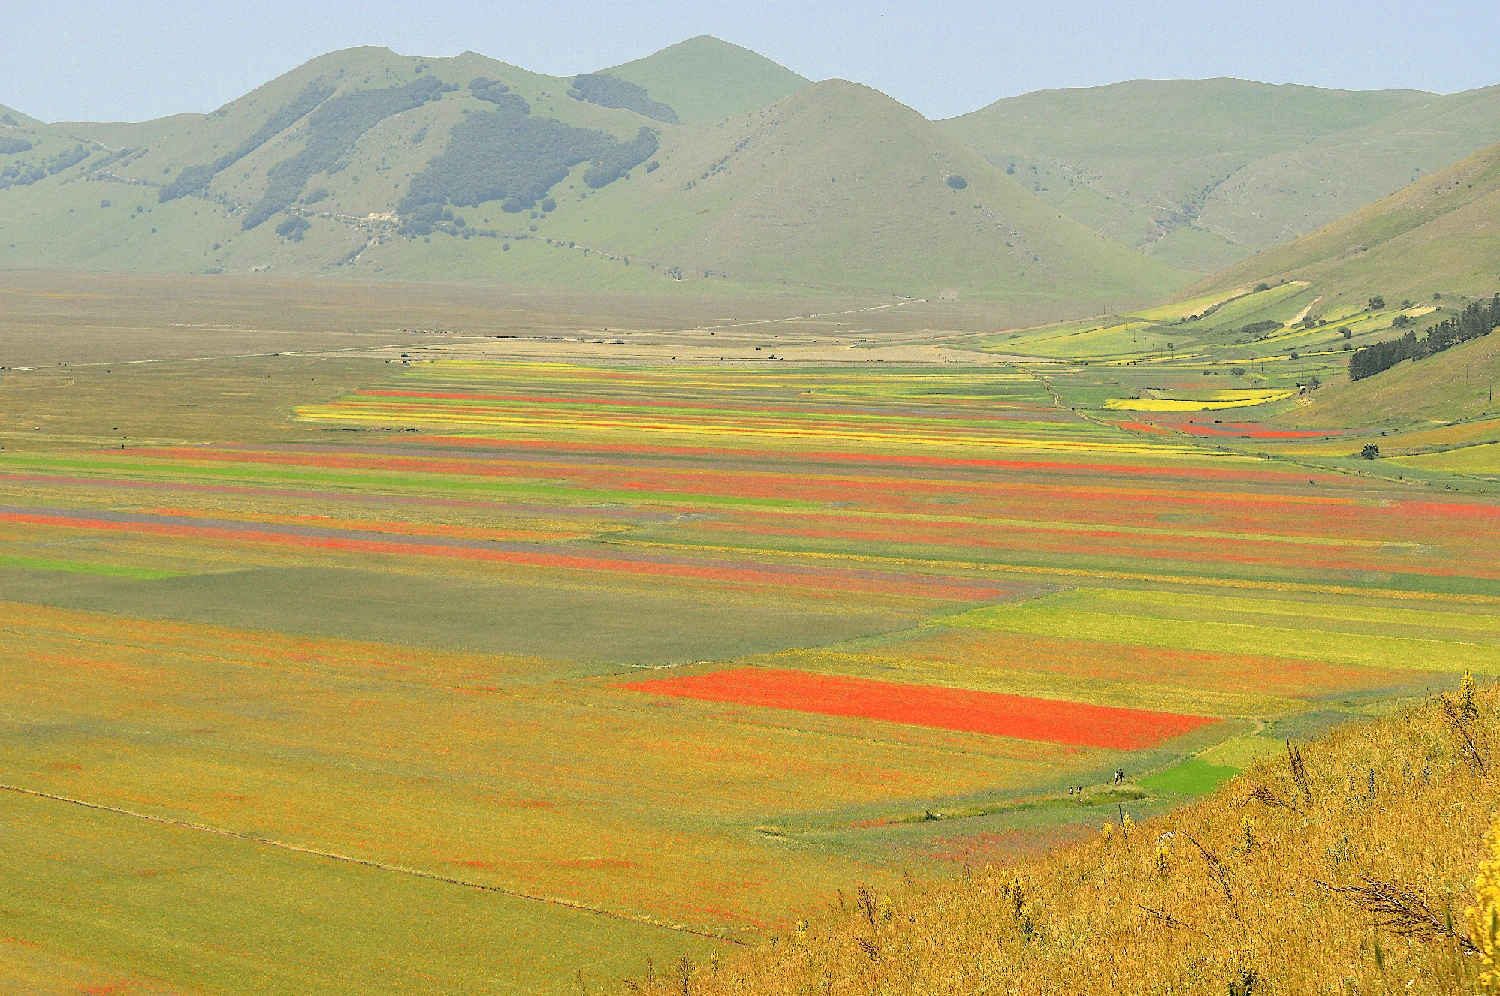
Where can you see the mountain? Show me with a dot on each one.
(12, 118)
(705, 79)
(1203, 173)
(840, 186)
(1439, 235)
(364, 162)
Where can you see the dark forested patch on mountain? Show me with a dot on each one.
(14, 146)
(19, 175)
(24, 174)
(619, 158)
(611, 91)
(67, 160)
(332, 131)
(499, 94)
(1479, 318)
(507, 155)
(195, 178)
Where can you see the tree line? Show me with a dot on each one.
(1479, 318)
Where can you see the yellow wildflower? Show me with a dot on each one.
(1484, 915)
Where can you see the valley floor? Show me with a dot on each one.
(339, 655)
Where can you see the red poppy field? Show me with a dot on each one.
(1070, 723)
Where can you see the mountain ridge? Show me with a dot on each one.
(336, 150)
(1203, 173)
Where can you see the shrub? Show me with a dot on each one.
(104, 203)
(548, 204)
(316, 195)
(1259, 328)
(13, 146)
(1370, 451)
(1262, 286)
(1377, 302)
(653, 166)
(611, 91)
(293, 227)
(1401, 322)
(957, 182)
(1237, 371)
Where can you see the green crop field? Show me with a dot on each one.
(340, 656)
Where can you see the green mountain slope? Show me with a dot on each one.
(12, 118)
(839, 186)
(1440, 234)
(364, 162)
(1203, 173)
(705, 79)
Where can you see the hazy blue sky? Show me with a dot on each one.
(145, 58)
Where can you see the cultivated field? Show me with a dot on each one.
(382, 659)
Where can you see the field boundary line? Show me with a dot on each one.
(370, 863)
(790, 556)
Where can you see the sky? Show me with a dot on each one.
(86, 60)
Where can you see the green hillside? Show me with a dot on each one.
(1203, 173)
(1439, 235)
(10, 114)
(705, 79)
(840, 187)
(1451, 386)
(364, 162)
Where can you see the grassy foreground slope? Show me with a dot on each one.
(1346, 865)
(1205, 172)
(1440, 234)
(706, 79)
